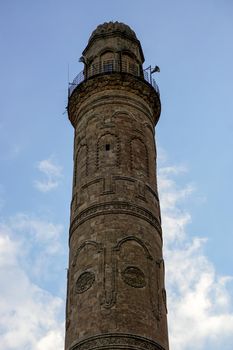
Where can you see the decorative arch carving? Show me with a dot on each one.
(147, 274)
(138, 241)
(98, 247)
(86, 266)
(153, 268)
(136, 270)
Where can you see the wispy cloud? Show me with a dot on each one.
(199, 301)
(52, 174)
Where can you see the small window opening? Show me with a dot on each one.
(107, 147)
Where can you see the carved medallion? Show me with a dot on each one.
(84, 282)
(134, 277)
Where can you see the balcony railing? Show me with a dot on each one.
(112, 66)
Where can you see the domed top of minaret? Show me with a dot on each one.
(109, 28)
(114, 36)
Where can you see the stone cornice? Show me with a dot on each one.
(115, 207)
(114, 81)
(116, 341)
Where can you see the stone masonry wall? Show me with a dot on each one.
(116, 298)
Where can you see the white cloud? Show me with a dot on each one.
(30, 316)
(54, 339)
(52, 175)
(174, 219)
(40, 244)
(32, 283)
(41, 232)
(199, 301)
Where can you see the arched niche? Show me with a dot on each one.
(108, 151)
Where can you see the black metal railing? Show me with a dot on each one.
(112, 66)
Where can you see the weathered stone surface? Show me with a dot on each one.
(116, 297)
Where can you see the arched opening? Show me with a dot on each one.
(108, 63)
(129, 64)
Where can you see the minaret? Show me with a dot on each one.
(116, 297)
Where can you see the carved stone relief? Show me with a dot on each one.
(134, 277)
(131, 275)
(84, 282)
(128, 187)
(108, 296)
(96, 245)
(83, 272)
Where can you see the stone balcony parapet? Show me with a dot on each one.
(112, 66)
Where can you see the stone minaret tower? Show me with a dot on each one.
(116, 297)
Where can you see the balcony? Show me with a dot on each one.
(112, 66)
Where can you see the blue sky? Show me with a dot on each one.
(191, 42)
